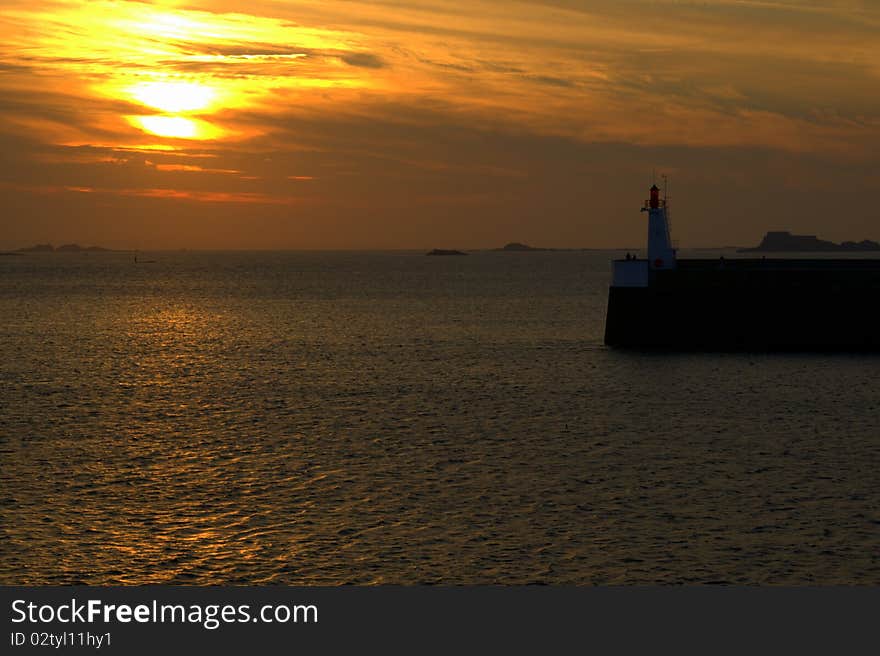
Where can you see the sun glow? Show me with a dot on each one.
(165, 25)
(176, 127)
(174, 96)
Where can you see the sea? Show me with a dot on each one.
(323, 418)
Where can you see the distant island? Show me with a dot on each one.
(64, 248)
(518, 247)
(443, 251)
(783, 241)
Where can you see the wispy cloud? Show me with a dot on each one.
(192, 168)
(249, 198)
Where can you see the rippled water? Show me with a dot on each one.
(309, 418)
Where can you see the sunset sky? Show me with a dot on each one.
(430, 123)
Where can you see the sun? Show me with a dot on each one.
(174, 97)
(180, 102)
(176, 127)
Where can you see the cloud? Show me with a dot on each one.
(551, 80)
(254, 49)
(363, 60)
(249, 198)
(192, 168)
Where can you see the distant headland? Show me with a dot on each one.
(64, 248)
(777, 242)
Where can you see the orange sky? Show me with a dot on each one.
(391, 124)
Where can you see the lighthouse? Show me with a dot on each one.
(661, 254)
(635, 272)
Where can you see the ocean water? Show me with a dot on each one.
(330, 418)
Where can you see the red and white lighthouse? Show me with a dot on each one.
(661, 254)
